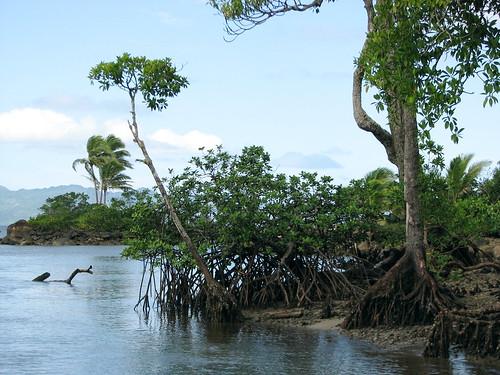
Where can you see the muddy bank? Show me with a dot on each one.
(475, 291)
(402, 338)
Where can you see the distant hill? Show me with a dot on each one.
(24, 203)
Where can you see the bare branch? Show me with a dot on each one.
(76, 272)
(255, 16)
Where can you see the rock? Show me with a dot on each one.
(18, 233)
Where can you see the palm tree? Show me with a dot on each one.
(380, 181)
(105, 163)
(460, 176)
(95, 152)
(112, 177)
(114, 164)
(116, 149)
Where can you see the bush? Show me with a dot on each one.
(100, 218)
(60, 212)
(72, 211)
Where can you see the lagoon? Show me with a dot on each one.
(91, 327)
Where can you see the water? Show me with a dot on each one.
(90, 327)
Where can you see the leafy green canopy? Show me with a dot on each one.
(235, 206)
(71, 211)
(456, 208)
(435, 47)
(491, 187)
(156, 79)
(60, 212)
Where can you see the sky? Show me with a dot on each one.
(285, 85)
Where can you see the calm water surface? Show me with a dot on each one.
(90, 327)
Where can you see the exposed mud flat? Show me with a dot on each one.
(474, 290)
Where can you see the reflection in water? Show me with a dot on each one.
(53, 328)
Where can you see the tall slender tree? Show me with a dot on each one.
(157, 81)
(404, 58)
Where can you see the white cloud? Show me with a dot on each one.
(34, 124)
(190, 141)
(119, 128)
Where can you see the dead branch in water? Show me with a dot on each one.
(44, 276)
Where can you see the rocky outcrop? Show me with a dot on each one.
(22, 233)
(18, 233)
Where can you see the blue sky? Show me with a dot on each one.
(285, 85)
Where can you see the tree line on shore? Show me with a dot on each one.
(236, 207)
(242, 192)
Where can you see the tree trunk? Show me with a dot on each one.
(221, 304)
(396, 124)
(96, 188)
(414, 230)
(407, 294)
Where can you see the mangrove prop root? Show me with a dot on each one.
(255, 281)
(221, 306)
(403, 296)
(478, 334)
(44, 276)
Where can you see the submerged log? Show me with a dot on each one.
(44, 276)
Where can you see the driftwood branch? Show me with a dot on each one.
(76, 272)
(44, 276)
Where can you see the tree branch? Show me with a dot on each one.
(363, 120)
(256, 16)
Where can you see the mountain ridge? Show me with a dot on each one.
(25, 203)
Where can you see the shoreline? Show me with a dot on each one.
(22, 233)
(408, 339)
